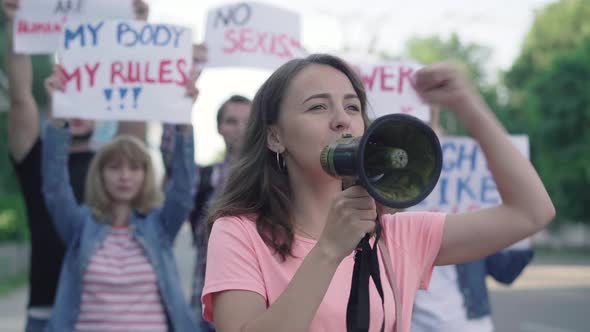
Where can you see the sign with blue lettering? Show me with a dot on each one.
(465, 182)
(125, 70)
(252, 35)
(38, 24)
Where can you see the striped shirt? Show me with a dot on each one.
(119, 291)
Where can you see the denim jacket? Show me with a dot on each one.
(504, 266)
(154, 232)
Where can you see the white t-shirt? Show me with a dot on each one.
(441, 309)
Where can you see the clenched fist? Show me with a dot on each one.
(444, 85)
(9, 7)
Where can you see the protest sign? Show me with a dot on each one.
(125, 70)
(465, 182)
(391, 89)
(252, 35)
(38, 24)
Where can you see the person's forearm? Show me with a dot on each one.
(297, 306)
(57, 191)
(19, 70)
(179, 201)
(518, 184)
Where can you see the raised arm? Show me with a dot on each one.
(526, 207)
(179, 200)
(61, 203)
(59, 196)
(23, 116)
(199, 58)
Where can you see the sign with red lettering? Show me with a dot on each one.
(252, 35)
(391, 89)
(125, 70)
(38, 23)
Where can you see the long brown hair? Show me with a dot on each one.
(257, 186)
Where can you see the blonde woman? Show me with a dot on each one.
(119, 271)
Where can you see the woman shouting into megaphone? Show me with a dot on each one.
(283, 238)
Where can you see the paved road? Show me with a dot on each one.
(553, 295)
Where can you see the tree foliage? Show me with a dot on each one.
(549, 99)
(560, 95)
(471, 57)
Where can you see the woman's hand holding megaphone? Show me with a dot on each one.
(351, 216)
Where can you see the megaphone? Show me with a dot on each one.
(398, 160)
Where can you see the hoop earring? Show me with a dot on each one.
(281, 163)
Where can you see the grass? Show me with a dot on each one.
(12, 283)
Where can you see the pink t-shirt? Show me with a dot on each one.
(238, 259)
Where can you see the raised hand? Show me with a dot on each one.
(141, 9)
(56, 82)
(199, 59)
(444, 85)
(191, 89)
(9, 7)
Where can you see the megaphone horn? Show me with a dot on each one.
(398, 160)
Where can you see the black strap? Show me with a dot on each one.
(366, 265)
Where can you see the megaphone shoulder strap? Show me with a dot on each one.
(387, 262)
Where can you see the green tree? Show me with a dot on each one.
(548, 99)
(558, 29)
(561, 94)
(471, 57)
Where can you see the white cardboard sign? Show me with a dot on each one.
(38, 24)
(391, 89)
(465, 182)
(251, 34)
(125, 70)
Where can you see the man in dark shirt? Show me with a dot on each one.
(25, 145)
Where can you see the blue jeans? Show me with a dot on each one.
(36, 324)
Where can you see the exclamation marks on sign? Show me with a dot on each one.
(136, 92)
(123, 93)
(108, 94)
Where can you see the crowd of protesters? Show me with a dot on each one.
(274, 235)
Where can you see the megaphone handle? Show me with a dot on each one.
(349, 182)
